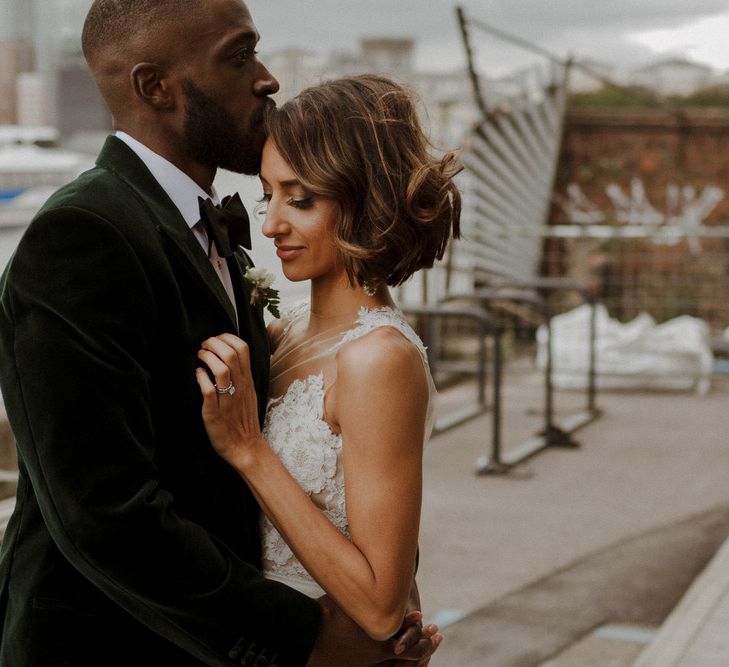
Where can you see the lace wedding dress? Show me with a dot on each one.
(295, 426)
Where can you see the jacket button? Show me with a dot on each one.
(261, 660)
(237, 650)
(249, 657)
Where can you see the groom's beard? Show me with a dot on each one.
(214, 138)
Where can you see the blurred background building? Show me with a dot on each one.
(44, 79)
(49, 100)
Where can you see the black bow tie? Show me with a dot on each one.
(227, 224)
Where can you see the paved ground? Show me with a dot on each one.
(576, 549)
(606, 605)
(575, 558)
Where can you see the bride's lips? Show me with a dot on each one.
(288, 252)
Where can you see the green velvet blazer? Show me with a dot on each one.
(132, 543)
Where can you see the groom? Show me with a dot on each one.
(132, 543)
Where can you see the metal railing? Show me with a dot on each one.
(553, 434)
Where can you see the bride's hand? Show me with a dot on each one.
(231, 417)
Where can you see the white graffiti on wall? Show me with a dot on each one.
(579, 209)
(685, 209)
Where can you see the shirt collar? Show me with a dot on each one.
(180, 188)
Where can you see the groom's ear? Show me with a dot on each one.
(152, 86)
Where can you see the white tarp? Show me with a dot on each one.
(639, 354)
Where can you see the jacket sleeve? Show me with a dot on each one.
(76, 319)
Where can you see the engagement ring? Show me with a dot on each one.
(230, 389)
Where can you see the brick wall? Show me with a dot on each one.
(650, 170)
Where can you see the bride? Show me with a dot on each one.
(354, 203)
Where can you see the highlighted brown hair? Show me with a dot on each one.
(358, 140)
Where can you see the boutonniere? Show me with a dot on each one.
(262, 294)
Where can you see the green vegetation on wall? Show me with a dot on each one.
(641, 96)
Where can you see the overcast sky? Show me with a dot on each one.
(625, 32)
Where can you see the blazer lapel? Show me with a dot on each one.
(117, 157)
(252, 327)
(189, 248)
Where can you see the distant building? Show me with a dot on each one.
(295, 70)
(387, 55)
(674, 77)
(722, 79)
(449, 111)
(33, 99)
(16, 57)
(446, 108)
(393, 57)
(34, 37)
(586, 76)
(17, 20)
(81, 109)
(70, 15)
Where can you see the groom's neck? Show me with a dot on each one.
(171, 150)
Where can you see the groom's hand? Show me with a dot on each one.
(342, 642)
(412, 631)
(410, 635)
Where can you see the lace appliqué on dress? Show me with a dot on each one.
(296, 431)
(294, 312)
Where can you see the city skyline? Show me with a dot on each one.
(625, 33)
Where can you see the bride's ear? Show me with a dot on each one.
(153, 86)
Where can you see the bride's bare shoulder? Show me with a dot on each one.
(382, 387)
(384, 354)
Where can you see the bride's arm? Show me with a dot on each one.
(379, 402)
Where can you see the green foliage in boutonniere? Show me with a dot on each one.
(262, 294)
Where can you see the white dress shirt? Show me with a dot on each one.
(183, 192)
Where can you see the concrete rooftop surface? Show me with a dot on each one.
(576, 557)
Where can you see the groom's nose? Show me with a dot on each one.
(266, 83)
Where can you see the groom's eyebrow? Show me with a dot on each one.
(241, 39)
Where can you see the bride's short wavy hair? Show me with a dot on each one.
(358, 140)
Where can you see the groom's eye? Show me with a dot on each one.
(244, 55)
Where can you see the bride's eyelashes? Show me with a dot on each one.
(302, 203)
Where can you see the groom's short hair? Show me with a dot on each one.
(110, 22)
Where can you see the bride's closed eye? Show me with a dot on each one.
(304, 202)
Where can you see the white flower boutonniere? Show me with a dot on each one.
(262, 294)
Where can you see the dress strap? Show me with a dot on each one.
(293, 312)
(370, 319)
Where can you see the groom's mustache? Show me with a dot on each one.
(268, 107)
